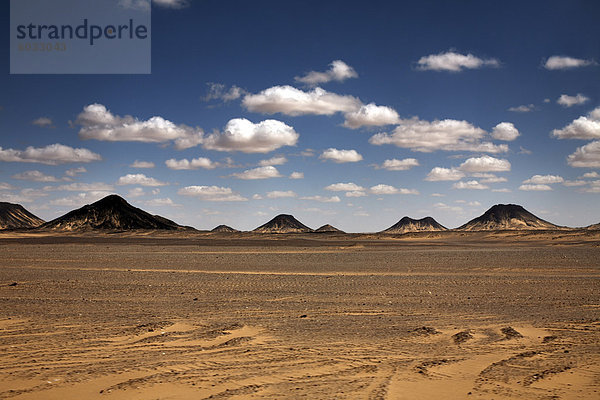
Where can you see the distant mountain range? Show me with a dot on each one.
(14, 216)
(115, 213)
(407, 224)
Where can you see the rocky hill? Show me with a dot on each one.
(509, 217)
(15, 216)
(407, 224)
(283, 223)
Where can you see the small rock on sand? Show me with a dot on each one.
(510, 333)
(462, 337)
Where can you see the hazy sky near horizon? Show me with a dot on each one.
(342, 112)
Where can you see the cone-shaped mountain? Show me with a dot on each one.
(407, 224)
(224, 228)
(283, 223)
(328, 229)
(14, 216)
(111, 212)
(506, 216)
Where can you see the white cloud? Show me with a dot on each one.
(562, 62)
(6, 186)
(569, 101)
(399, 165)
(172, 3)
(485, 164)
(575, 183)
(211, 193)
(371, 115)
(218, 91)
(544, 179)
(338, 71)
(73, 172)
(489, 178)
(277, 194)
(291, 101)
(243, 135)
(51, 155)
(587, 156)
(444, 174)
(139, 179)
(591, 175)
(98, 123)
(505, 131)
(502, 190)
(584, 127)
(297, 175)
(387, 189)
(277, 160)
(257, 197)
(455, 62)
(35, 176)
(322, 199)
(446, 207)
(535, 188)
(525, 108)
(469, 185)
(361, 214)
(142, 164)
(136, 192)
(356, 193)
(341, 156)
(42, 122)
(448, 134)
(195, 163)
(259, 173)
(161, 202)
(344, 187)
(593, 188)
(84, 187)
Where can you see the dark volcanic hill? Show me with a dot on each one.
(224, 228)
(594, 227)
(507, 216)
(328, 229)
(283, 223)
(111, 212)
(14, 216)
(407, 224)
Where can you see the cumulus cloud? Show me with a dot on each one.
(195, 163)
(218, 91)
(98, 123)
(505, 131)
(51, 155)
(587, 156)
(485, 164)
(469, 185)
(322, 199)
(489, 178)
(345, 187)
(356, 193)
(80, 199)
(563, 62)
(297, 175)
(590, 175)
(211, 193)
(341, 156)
(266, 172)
(136, 192)
(139, 179)
(535, 188)
(338, 71)
(73, 172)
(291, 101)
(6, 186)
(82, 187)
(243, 135)
(142, 164)
(584, 127)
(448, 134)
(544, 179)
(444, 174)
(569, 101)
(277, 194)
(42, 122)
(454, 62)
(371, 115)
(35, 176)
(398, 165)
(525, 108)
(277, 160)
(387, 189)
(172, 3)
(161, 203)
(575, 183)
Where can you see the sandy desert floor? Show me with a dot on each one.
(225, 317)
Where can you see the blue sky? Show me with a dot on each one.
(381, 109)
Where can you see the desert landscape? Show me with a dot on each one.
(93, 310)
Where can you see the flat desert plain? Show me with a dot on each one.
(204, 316)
